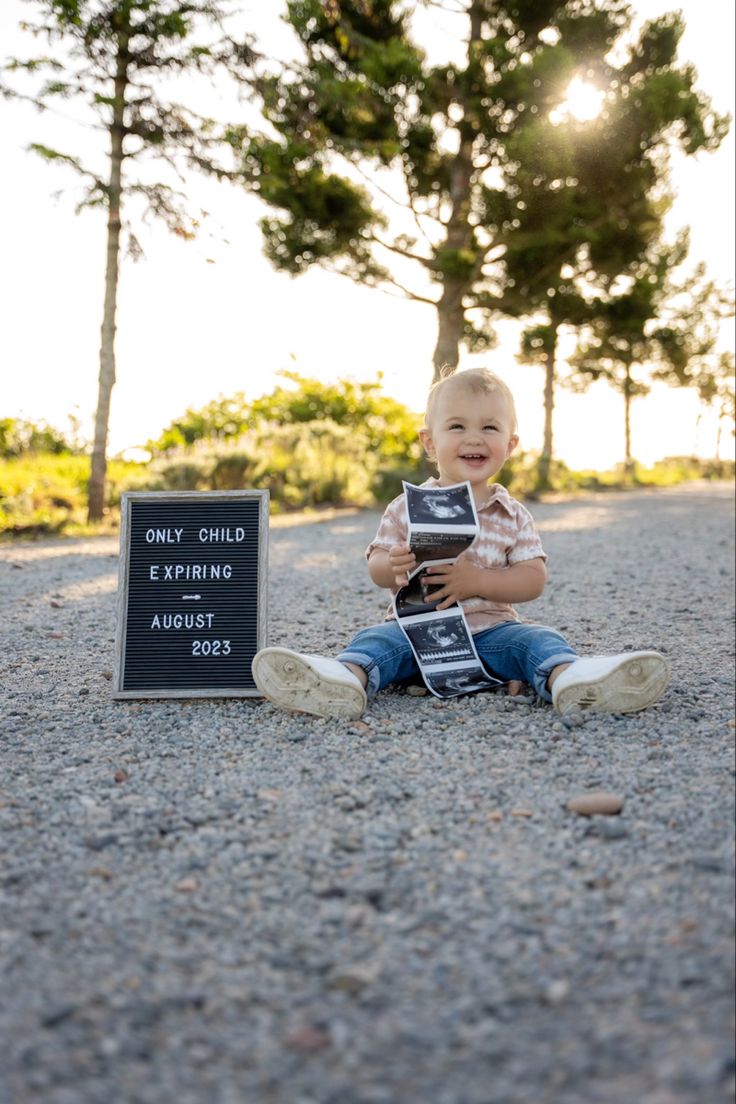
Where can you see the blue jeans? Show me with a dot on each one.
(509, 651)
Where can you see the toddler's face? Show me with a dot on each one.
(471, 435)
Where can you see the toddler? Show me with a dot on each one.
(469, 432)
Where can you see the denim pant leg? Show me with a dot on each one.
(524, 652)
(384, 654)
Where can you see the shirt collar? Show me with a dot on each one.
(497, 494)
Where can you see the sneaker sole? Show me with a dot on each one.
(288, 680)
(636, 683)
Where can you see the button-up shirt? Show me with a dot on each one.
(507, 536)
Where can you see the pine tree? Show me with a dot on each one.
(117, 56)
(653, 325)
(493, 201)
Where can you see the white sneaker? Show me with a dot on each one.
(308, 683)
(611, 684)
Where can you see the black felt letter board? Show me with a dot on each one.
(191, 607)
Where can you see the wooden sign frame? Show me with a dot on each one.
(170, 534)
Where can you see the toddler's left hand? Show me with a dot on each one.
(458, 580)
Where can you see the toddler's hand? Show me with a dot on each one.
(452, 582)
(402, 561)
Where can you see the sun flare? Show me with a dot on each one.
(583, 102)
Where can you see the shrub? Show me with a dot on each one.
(315, 463)
(19, 437)
(47, 493)
(184, 475)
(231, 471)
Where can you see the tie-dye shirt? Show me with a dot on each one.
(507, 536)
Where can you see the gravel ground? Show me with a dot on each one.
(213, 902)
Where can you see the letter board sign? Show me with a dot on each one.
(192, 593)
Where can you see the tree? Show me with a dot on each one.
(715, 384)
(650, 323)
(115, 56)
(480, 182)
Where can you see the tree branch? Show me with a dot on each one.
(406, 293)
(425, 261)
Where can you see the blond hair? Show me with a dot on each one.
(480, 381)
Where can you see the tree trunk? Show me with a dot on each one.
(719, 424)
(628, 462)
(106, 380)
(450, 310)
(543, 482)
(451, 319)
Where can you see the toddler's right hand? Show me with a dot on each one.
(402, 561)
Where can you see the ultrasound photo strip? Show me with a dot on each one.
(443, 522)
(444, 650)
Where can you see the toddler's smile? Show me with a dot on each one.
(470, 436)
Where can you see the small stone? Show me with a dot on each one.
(522, 813)
(56, 605)
(56, 1016)
(187, 885)
(55, 636)
(732, 723)
(355, 977)
(99, 843)
(307, 1039)
(121, 775)
(106, 674)
(596, 803)
(416, 691)
(495, 814)
(267, 794)
(610, 829)
(557, 991)
(360, 726)
(103, 872)
(84, 691)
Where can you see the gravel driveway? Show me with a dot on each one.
(212, 902)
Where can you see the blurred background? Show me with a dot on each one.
(208, 322)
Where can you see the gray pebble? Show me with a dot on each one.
(367, 917)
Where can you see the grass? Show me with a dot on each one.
(43, 494)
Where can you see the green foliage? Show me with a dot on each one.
(716, 384)
(45, 493)
(304, 465)
(308, 443)
(222, 418)
(140, 41)
(652, 328)
(316, 463)
(113, 65)
(455, 264)
(19, 437)
(388, 426)
(562, 194)
(324, 215)
(520, 475)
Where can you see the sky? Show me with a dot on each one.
(212, 317)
